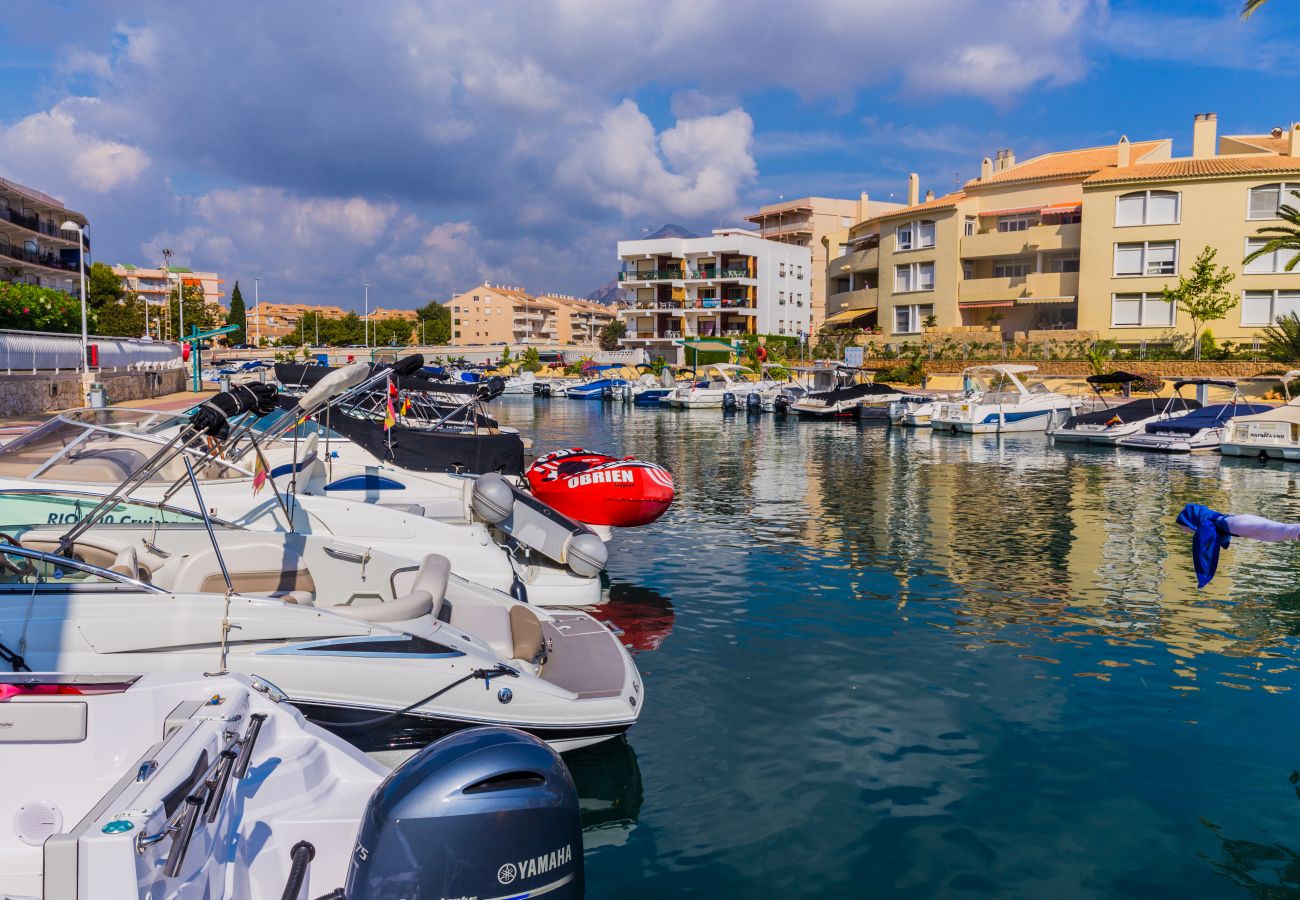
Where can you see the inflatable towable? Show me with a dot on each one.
(601, 490)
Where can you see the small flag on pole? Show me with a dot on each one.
(390, 417)
(259, 476)
(406, 405)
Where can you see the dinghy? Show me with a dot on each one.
(601, 489)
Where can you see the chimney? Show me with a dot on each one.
(1010, 158)
(1122, 152)
(1204, 130)
(1276, 132)
(913, 189)
(863, 205)
(929, 195)
(1293, 142)
(986, 169)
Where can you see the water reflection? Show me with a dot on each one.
(608, 779)
(643, 615)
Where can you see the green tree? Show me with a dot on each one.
(238, 316)
(532, 360)
(505, 355)
(103, 287)
(1202, 295)
(1281, 340)
(434, 324)
(1283, 238)
(611, 334)
(198, 312)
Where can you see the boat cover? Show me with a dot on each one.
(1288, 413)
(1133, 411)
(1206, 417)
(855, 392)
(1113, 378)
(297, 374)
(434, 451)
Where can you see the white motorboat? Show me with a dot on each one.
(520, 385)
(1199, 430)
(1114, 421)
(170, 786)
(1005, 403)
(914, 410)
(1274, 434)
(724, 385)
(387, 654)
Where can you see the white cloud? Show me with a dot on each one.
(53, 150)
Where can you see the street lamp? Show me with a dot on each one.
(180, 293)
(257, 310)
(366, 324)
(81, 267)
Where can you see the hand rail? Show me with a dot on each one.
(300, 863)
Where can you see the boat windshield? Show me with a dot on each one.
(309, 427)
(23, 510)
(101, 446)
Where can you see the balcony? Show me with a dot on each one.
(1039, 285)
(33, 223)
(1038, 238)
(660, 305)
(862, 298)
(857, 261)
(1035, 286)
(48, 260)
(652, 275)
(713, 304)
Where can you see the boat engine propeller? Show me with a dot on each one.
(484, 812)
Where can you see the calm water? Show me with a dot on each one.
(894, 664)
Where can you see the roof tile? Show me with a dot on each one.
(1209, 167)
(1063, 164)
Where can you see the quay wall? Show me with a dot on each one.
(1080, 369)
(33, 393)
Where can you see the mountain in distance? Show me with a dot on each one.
(609, 293)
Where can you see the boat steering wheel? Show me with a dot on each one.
(8, 565)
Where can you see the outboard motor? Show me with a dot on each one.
(607, 392)
(753, 402)
(729, 401)
(781, 405)
(484, 812)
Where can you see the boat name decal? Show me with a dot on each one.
(538, 865)
(611, 476)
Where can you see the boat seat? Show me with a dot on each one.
(427, 594)
(105, 557)
(257, 567)
(297, 598)
(126, 563)
(513, 633)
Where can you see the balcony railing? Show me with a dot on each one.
(33, 223)
(49, 260)
(701, 274)
(715, 303)
(659, 304)
(650, 275)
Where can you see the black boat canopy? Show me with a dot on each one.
(1217, 382)
(1114, 378)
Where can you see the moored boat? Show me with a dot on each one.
(1112, 422)
(1274, 433)
(1004, 403)
(1199, 430)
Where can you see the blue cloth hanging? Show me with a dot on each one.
(1209, 535)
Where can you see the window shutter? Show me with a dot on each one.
(1128, 259)
(1128, 209)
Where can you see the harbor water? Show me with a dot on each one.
(883, 663)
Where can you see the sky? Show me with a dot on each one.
(426, 146)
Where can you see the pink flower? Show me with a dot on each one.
(26, 310)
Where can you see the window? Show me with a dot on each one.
(967, 271)
(1020, 222)
(914, 235)
(969, 226)
(909, 319)
(1265, 200)
(914, 277)
(1010, 269)
(1146, 258)
(781, 298)
(781, 273)
(800, 275)
(1266, 307)
(1064, 264)
(1269, 262)
(1141, 310)
(1147, 208)
(844, 249)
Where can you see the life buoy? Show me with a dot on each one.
(761, 353)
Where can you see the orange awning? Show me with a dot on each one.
(1011, 212)
(1023, 300)
(986, 304)
(1056, 209)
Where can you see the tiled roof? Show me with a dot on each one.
(1209, 167)
(1064, 164)
(944, 202)
(1262, 141)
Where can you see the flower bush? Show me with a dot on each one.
(31, 308)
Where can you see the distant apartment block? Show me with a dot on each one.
(807, 222)
(34, 248)
(156, 284)
(269, 322)
(500, 314)
(1077, 240)
(728, 284)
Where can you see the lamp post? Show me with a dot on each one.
(81, 268)
(257, 310)
(366, 321)
(180, 295)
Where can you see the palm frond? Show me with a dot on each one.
(1250, 7)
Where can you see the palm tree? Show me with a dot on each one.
(1282, 339)
(1281, 237)
(1250, 7)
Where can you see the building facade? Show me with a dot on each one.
(500, 314)
(1076, 241)
(728, 284)
(34, 247)
(266, 322)
(157, 284)
(811, 222)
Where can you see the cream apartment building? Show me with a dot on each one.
(34, 248)
(1079, 240)
(497, 314)
(155, 285)
(810, 222)
(730, 283)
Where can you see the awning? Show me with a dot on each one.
(1011, 212)
(1023, 300)
(706, 344)
(1056, 209)
(986, 304)
(844, 316)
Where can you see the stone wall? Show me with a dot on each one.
(31, 394)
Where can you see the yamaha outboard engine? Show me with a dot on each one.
(728, 400)
(782, 403)
(484, 812)
(753, 402)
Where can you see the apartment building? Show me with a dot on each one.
(267, 322)
(730, 283)
(496, 314)
(34, 247)
(1074, 240)
(155, 285)
(811, 222)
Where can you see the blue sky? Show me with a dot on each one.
(424, 146)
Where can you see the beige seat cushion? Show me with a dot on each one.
(526, 632)
(412, 606)
(126, 563)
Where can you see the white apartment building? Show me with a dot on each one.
(728, 284)
(34, 247)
